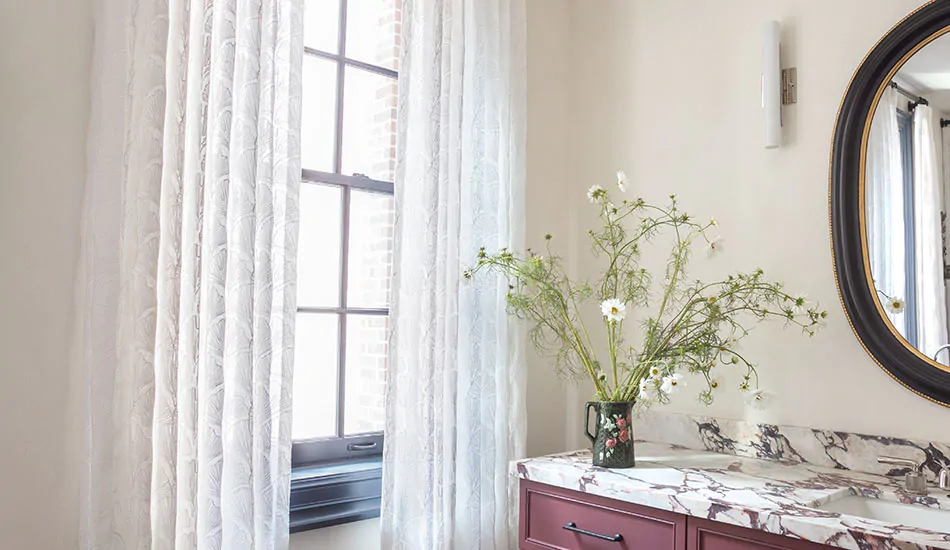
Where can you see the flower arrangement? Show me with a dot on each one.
(695, 327)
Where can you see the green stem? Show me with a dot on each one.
(672, 281)
(613, 327)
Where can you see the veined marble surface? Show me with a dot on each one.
(771, 496)
(832, 449)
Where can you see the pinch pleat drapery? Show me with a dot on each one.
(187, 303)
(455, 414)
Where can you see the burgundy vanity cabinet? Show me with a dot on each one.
(561, 519)
(552, 517)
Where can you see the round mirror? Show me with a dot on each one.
(890, 194)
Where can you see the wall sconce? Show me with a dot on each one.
(778, 85)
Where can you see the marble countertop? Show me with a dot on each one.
(771, 496)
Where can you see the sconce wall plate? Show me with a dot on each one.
(790, 86)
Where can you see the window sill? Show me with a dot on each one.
(323, 495)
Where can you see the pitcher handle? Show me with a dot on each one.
(596, 406)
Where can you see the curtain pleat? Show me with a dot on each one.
(198, 400)
(455, 381)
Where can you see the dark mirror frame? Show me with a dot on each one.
(902, 361)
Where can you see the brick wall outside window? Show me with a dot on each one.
(368, 335)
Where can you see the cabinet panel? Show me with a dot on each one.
(710, 535)
(546, 510)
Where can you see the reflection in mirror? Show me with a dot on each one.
(907, 188)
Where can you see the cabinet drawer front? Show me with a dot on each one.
(708, 535)
(546, 510)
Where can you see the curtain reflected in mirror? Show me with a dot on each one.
(906, 195)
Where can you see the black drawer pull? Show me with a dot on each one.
(361, 446)
(573, 527)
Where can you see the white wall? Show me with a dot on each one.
(360, 535)
(548, 184)
(670, 91)
(45, 48)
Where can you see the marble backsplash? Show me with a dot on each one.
(827, 448)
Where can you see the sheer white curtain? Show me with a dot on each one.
(455, 384)
(928, 201)
(186, 302)
(884, 205)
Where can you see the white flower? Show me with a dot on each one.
(715, 382)
(758, 398)
(672, 383)
(644, 388)
(595, 192)
(622, 181)
(654, 372)
(734, 343)
(895, 305)
(714, 247)
(613, 309)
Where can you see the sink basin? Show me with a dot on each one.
(908, 515)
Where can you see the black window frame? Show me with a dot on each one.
(338, 479)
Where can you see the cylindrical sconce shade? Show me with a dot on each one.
(772, 84)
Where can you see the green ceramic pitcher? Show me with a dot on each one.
(613, 433)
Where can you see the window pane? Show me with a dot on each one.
(315, 375)
(373, 31)
(322, 25)
(371, 249)
(369, 124)
(319, 113)
(366, 351)
(318, 248)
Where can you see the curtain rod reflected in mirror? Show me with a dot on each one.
(915, 99)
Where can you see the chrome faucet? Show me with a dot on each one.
(941, 348)
(943, 481)
(915, 481)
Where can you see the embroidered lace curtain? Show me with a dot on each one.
(455, 382)
(186, 296)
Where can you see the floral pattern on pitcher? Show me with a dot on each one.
(617, 429)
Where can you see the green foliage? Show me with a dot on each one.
(696, 327)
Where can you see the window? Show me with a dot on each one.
(345, 257)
